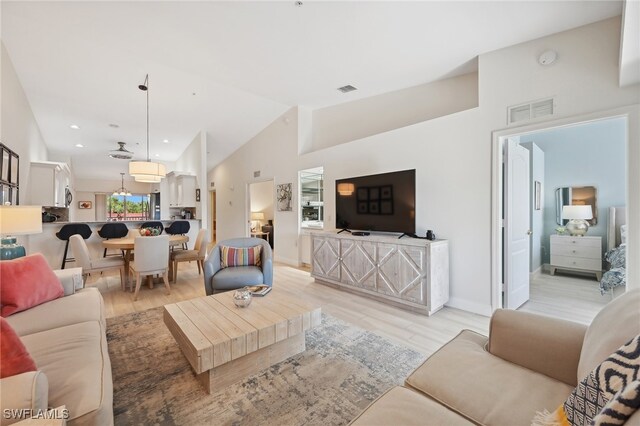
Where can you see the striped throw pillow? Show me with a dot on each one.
(236, 256)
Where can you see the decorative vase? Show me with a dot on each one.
(577, 227)
(242, 297)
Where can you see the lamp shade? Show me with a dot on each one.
(257, 216)
(577, 212)
(346, 188)
(148, 179)
(20, 220)
(147, 171)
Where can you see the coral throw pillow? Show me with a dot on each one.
(234, 256)
(27, 282)
(14, 358)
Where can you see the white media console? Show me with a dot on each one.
(410, 273)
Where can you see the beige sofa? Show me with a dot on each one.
(67, 340)
(528, 363)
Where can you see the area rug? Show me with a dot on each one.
(343, 370)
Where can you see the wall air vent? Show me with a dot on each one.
(256, 174)
(530, 111)
(346, 89)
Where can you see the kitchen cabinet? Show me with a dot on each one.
(173, 191)
(182, 190)
(186, 191)
(53, 181)
(409, 273)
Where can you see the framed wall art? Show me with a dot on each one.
(283, 195)
(9, 175)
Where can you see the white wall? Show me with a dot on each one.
(18, 127)
(451, 154)
(273, 152)
(19, 130)
(84, 215)
(377, 114)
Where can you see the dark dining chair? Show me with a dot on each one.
(179, 227)
(113, 230)
(66, 232)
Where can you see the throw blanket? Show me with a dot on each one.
(617, 275)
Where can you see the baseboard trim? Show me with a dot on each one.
(290, 262)
(537, 272)
(473, 307)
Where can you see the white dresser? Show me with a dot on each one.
(582, 254)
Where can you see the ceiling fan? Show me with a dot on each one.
(121, 153)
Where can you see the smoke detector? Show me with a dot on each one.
(121, 153)
(547, 57)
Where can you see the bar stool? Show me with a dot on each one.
(67, 231)
(153, 224)
(113, 230)
(179, 227)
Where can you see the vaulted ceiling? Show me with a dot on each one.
(231, 68)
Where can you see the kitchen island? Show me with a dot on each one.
(52, 248)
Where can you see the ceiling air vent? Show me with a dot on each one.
(346, 89)
(530, 111)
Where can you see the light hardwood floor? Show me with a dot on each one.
(570, 298)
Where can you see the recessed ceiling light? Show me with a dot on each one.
(157, 155)
(79, 145)
(165, 140)
(74, 126)
(115, 126)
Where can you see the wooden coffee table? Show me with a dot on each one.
(225, 344)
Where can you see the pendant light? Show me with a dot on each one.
(147, 171)
(122, 190)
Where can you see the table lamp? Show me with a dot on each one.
(17, 220)
(257, 217)
(578, 216)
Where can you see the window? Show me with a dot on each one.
(122, 207)
(312, 198)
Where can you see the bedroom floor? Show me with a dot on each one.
(572, 297)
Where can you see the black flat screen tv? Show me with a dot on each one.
(384, 202)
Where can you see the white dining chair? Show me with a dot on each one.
(89, 265)
(151, 258)
(198, 253)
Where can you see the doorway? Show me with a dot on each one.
(261, 211)
(563, 158)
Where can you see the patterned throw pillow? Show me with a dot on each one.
(596, 390)
(621, 407)
(237, 256)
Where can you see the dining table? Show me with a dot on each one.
(126, 244)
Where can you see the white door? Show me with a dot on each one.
(517, 231)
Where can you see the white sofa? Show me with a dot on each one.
(67, 340)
